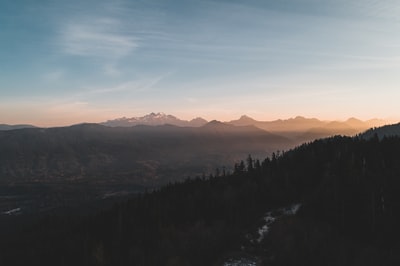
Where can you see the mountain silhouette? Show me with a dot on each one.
(154, 119)
(381, 132)
(11, 127)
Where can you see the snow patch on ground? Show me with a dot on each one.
(240, 262)
(13, 211)
(271, 217)
(262, 231)
(292, 209)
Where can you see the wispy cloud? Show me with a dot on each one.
(132, 86)
(111, 70)
(53, 76)
(97, 37)
(388, 9)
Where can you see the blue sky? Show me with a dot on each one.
(64, 62)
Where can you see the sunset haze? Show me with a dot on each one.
(67, 62)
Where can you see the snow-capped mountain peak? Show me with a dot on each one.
(154, 119)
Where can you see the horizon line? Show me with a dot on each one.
(386, 121)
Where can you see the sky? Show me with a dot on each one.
(65, 62)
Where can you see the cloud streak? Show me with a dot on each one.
(132, 86)
(98, 37)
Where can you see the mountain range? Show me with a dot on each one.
(11, 127)
(145, 155)
(299, 124)
(156, 148)
(296, 130)
(154, 119)
(299, 129)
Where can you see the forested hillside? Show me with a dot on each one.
(141, 155)
(348, 187)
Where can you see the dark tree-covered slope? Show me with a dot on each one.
(381, 132)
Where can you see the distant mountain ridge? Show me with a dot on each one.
(142, 154)
(381, 132)
(291, 124)
(299, 129)
(12, 127)
(298, 124)
(154, 119)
